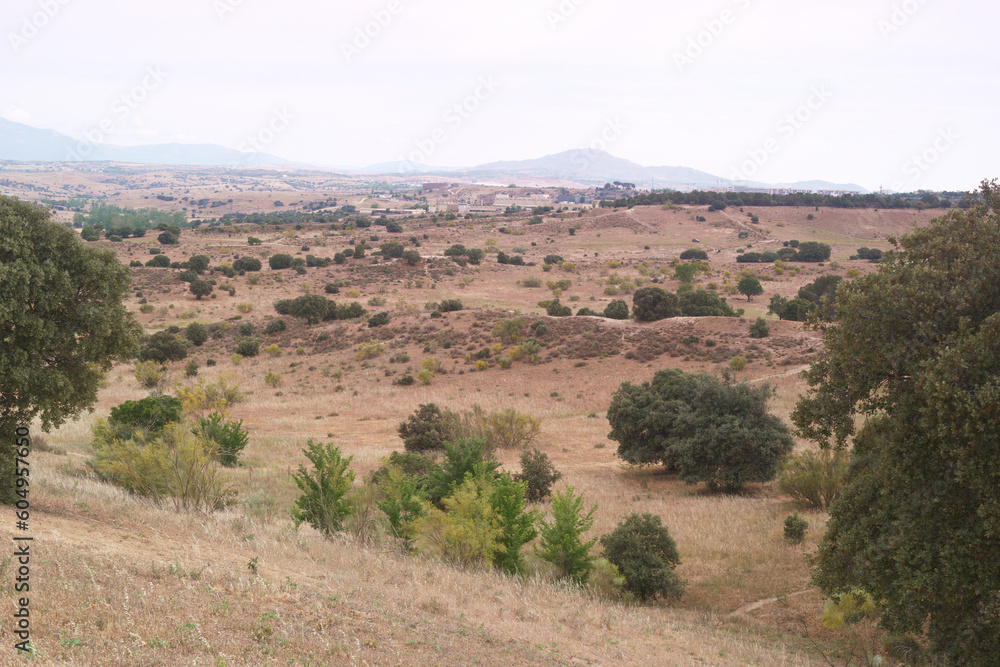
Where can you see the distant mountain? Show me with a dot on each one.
(595, 167)
(30, 144)
(407, 167)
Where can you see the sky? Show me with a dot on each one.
(901, 95)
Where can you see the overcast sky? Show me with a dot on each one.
(898, 94)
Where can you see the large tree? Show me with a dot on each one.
(705, 428)
(62, 322)
(911, 374)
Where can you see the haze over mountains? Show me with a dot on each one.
(587, 167)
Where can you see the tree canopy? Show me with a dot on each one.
(705, 428)
(911, 374)
(62, 322)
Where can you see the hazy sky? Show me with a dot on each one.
(899, 94)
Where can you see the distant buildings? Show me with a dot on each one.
(432, 187)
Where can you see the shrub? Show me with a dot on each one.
(229, 436)
(159, 261)
(428, 428)
(244, 307)
(539, 327)
(653, 303)
(245, 329)
(369, 350)
(151, 374)
(248, 347)
(378, 320)
(402, 495)
(552, 259)
(210, 396)
(814, 479)
(466, 532)
(538, 473)
(517, 523)
(617, 310)
(146, 308)
(645, 554)
(449, 305)
(272, 379)
(323, 503)
(703, 303)
(275, 326)
(150, 414)
(187, 276)
(556, 309)
(313, 308)
(694, 253)
(280, 261)
(467, 456)
(405, 380)
(561, 540)
(707, 429)
(795, 528)
(191, 369)
(339, 258)
(531, 281)
(175, 464)
(812, 251)
(196, 333)
(759, 328)
(509, 429)
(162, 347)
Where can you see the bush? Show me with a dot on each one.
(556, 309)
(539, 327)
(200, 288)
(378, 320)
(280, 261)
(645, 554)
(159, 261)
(275, 326)
(517, 524)
(449, 305)
(814, 479)
(245, 329)
(759, 328)
(617, 310)
(466, 532)
(175, 464)
(323, 503)
(313, 308)
(196, 333)
(653, 303)
(552, 259)
(151, 374)
(428, 428)
(467, 456)
(339, 258)
(248, 347)
(246, 263)
(703, 303)
(163, 347)
(795, 528)
(561, 540)
(150, 414)
(187, 276)
(229, 436)
(813, 251)
(707, 429)
(191, 369)
(538, 473)
(694, 253)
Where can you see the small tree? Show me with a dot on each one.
(517, 522)
(561, 541)
(538, 473)
(280, 261)
(428, 428)
(323, 503)
(197, 333)
(616, 310)
(162, 347)
(200, 288)
(653, 303)
(750, 287)
(759, 328)
(645, 554)
(229, 436)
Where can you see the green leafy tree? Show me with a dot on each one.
(197, 333)
(200, 288)
(461, 458)
(402, 500)
(777, 306)
(247, 263)
(198, 263)
(812, 251)
(750, 287)
(653, 303)
(428, 428)
(646, 555)
(910, 374)
(685, 272)
(562, 542)
(280, 261)
(822, 293)
(517, 522)
(616, 310)
(703, 303)
(694, 253)
(538, 473)
(707, 429)
(62, 323)
(162, 347)
(323, 503)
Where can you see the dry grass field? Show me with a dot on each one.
(117, 580)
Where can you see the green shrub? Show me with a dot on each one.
(703, 303)
(187, 276)
(323, 503)
(653, 303)
(694, 253)
(561, 541)
(196, 333)
(280, 261)
(405, 380)
(462, 457)
(617, 310)
(246, 263)
(163, 347)
(275, 326)
(191, 369)
(402, 498)
(814, 479)
(517, 523)
(556, 309)
(795, 528)
(378, 320)
(151, 374)
(150, 414)
(428, 428)
(466, 532)
(174, 463)
(538, 473)
(229, 436)
(539, 328)
(159, 261)
(645, 554)
(449, 305)
(245, 329)
(248, 347)
(759, 328)
(508, 429)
